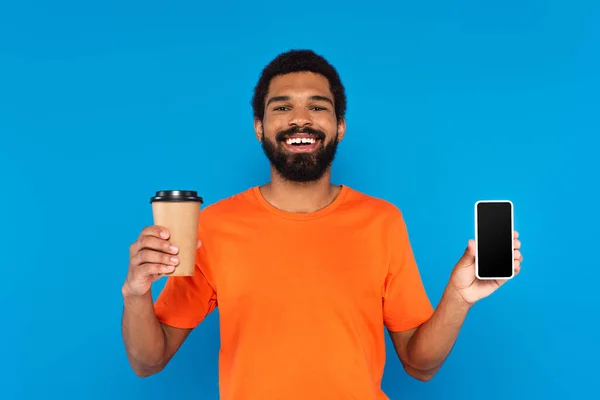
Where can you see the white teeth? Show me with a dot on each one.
(300, 140)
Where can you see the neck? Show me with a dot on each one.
(300, 197)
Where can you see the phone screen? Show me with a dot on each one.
(494, 237)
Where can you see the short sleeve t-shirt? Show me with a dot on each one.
(303, 298)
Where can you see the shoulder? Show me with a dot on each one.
(238, 202)
(381, 217)
(374, 205)
(230, 207)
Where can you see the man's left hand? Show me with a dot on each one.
(464, 279)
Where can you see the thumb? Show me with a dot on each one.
(468, 257)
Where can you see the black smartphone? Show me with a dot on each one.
(494, 227)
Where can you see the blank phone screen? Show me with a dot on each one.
(494, 240)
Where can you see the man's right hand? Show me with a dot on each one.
(149, 343)
(150, 257)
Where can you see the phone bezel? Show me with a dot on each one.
(512, 226)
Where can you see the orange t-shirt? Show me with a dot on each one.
(303, 298)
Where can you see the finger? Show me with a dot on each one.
(517, 244)
(518, 256)
(154, 243)
(468, 257)
(156, 230)
(155, 269)
(517, 267)
(198, 244)
(500, 282)
(516, 234)
(147, 256)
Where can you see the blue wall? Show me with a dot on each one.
(101, 105)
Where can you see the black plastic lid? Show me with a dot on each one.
(176, 195)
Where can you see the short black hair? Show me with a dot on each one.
(299, 61)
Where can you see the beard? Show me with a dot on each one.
(300, 167)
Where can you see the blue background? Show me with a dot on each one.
(448, 103)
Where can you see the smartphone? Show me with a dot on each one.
(494, 249)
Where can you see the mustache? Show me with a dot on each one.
(283, 135)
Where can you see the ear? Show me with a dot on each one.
(258, 129)
(341, 129)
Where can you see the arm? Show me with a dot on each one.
(149, 344)
(153, 332)
(423, 350)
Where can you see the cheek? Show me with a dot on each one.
(327, 123)
(273, 125)
(269, 132)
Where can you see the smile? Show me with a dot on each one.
(303, 143)
(296, 141)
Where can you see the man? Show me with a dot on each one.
(307, 275)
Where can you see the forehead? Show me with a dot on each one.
(299, 84)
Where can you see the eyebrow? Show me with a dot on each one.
(287, 98)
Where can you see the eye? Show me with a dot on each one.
(280, 108)
(317, 108)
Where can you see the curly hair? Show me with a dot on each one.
(298, 61)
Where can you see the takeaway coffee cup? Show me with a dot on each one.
(179, 211)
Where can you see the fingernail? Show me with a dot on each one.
(170, 268)
(174, 260)
(164, 234)
(174, 249)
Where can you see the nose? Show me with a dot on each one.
(300, 117)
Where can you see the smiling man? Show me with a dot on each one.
(300, 149)
(307, 275)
